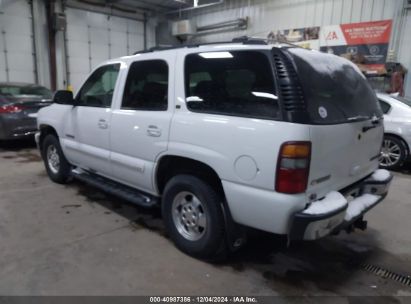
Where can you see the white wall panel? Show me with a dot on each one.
(92, 38)
(378, 11)
(346, 11)
(405, 45)
(16, 42)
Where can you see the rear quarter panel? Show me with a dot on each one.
(244, 153)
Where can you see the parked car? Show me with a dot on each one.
(19, 102)
(397, 123)
(224, 137)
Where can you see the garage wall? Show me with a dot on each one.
(92, 38)
(267, 15)
(17, 55)
(405, 51)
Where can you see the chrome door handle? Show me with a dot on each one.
(153, 131)
(102, 124)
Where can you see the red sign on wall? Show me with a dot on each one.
(367, 32)
(364, 43)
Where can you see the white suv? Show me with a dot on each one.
(223, 137)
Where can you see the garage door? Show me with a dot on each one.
(92, 38)
(16, 42)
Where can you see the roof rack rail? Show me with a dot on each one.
(250, 40)
(242, 39)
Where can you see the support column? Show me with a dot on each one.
(41, 45)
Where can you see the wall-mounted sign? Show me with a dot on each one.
(364, 43)
(307, 37)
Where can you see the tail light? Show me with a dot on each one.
(10, 109)
(293, 167)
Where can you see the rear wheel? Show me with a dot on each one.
(57, 166)
(393, 152)
(193, 217)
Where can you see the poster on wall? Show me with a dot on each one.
(307, 37)
(365, 43)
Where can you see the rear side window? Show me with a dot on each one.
(236, 83)
(334, 88)
(146, 86)
(385, 107)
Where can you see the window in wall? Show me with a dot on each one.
(98, 90)
(238, 83)
(146, 86)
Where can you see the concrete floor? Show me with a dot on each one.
(74, 240)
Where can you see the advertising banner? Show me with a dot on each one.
(364, 43)
(307, 37)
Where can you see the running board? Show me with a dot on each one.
(111, 187)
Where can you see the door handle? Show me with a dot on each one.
(102, 124)
(153, 131)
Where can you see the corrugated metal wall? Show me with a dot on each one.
(267, 15)
(405, 51)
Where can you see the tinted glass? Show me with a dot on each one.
(385, 107)
(238, 83)
(146, 86)
(27, 90)
(99, 87)
(335, 89)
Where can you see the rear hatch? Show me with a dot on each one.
(344, 119)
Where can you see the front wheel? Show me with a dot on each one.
(57, 166)
(393, 153)
(193, 217)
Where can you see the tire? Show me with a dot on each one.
(393, 153)
(57, 166)
(206, 238)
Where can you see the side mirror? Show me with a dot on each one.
(64, 97)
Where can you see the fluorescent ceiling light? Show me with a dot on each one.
(214, 55)
(265, 95)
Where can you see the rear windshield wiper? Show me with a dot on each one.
(358, 118)
(375, 122)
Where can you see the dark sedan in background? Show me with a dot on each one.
(19, 103)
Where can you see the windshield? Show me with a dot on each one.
(25, 90)
(403, 100)
(335, 89)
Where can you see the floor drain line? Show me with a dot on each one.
(387, 274)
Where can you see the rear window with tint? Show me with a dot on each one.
(335, 89)
(27, 90)
(235, 83)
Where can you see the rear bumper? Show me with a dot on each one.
(361, 197)
(14, 126)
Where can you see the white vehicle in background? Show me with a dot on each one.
(397, 125)
(222, 137)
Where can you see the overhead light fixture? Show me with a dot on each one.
(215, 55)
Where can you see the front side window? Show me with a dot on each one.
(146, 86)
(235, 83)
(98, 90)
